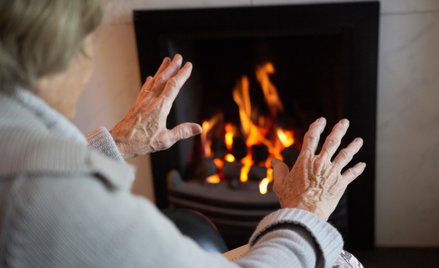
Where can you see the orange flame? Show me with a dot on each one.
(241, 95)
(230, 158)
(255, 127)
(214, 179)
(263, 184)
(207, 127)
(218, 163)
(286, 137)
(244, 173)
(270, 92)
(228, 137)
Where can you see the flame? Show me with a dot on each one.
(218, 163)
(214, 179)
(228, 137)
(263, 184)
(244, 173)
(207, 127)
(241, 95)
(270, 92)
(286, 137)
(256, 128)
(230, 158)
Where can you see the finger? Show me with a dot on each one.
(312, 136)
(280, 169)
(174, 84)
(345, 156)
(333, 140)
(147, 85)
(164, 65)
(171, 69)
(353, 173)
(183, 131)
(304, 160)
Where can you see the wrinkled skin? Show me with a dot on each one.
(143, 130)
(315, 183)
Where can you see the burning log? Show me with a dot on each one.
(257, 173)
(259, 153)
(235, 184)
(232, 172)
(239, 149)
(219, 148)
(205, 168)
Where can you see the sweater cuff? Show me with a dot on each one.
(328, 239)
(100, 140)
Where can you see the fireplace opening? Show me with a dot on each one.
(261, 76)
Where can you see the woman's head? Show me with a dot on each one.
(40, 38)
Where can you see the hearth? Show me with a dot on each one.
(261, 76)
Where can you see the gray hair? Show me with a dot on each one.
(39, 37)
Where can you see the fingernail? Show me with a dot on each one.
(196, 129)
(358, 140)
(320, 120)
(344, 122)
(178, 57)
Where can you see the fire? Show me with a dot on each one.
(207, 127)
(244, 173)
(218, 163)
(228, 137)
(285, 137)
(241, 95)
(270, 92)
(263, 184)
(257, 129)
(214, 179)
(230, 158)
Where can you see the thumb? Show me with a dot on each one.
(280, 169)
(184, 131)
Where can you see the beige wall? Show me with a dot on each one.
(408, 114)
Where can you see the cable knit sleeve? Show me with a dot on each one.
(100, 140)
(285, 226)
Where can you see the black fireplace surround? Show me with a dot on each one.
(326, 61)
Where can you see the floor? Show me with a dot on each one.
(399, 257)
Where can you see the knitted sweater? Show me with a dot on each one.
(65, 205)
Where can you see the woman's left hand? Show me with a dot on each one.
(143, 130)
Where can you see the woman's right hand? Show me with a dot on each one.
(316, 183)
(143, 130)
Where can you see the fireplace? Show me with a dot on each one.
(261, 76)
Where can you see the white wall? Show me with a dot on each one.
(408, 112)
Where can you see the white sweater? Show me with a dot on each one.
(64, 205)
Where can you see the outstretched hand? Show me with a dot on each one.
(143, 130)
(316, 183)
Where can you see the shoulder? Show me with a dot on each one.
(77, 198)
(74, 218)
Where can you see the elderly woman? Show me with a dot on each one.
(65, 199)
